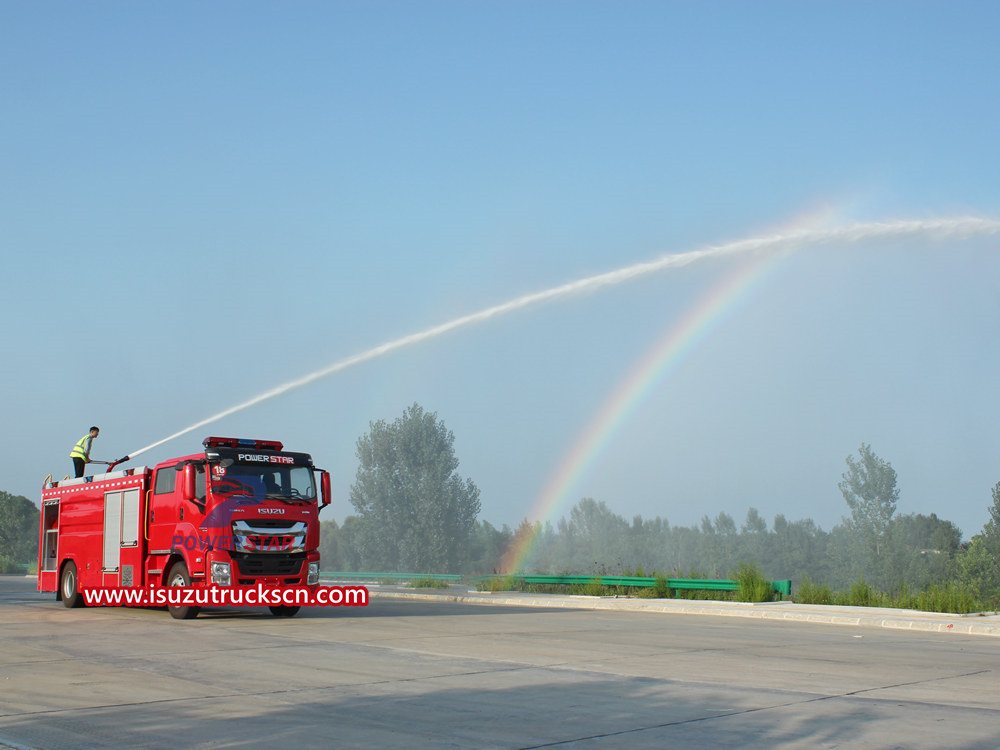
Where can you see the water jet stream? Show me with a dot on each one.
(789, 241)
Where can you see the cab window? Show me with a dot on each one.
(166, 480)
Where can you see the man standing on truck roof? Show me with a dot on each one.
(81, 451)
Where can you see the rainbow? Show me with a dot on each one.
(678, 340)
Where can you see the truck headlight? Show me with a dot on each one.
(313, 574)
(221, 575)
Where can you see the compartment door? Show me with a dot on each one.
(112, 531)
(130, 518)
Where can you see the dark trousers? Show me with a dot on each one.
(78, 464)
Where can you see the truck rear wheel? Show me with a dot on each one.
(69, 588)
(284, 611)
(179, 576)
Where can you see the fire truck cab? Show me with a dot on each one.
(243, 512)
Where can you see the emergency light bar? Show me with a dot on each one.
(224, 442)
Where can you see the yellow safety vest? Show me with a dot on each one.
(82, 448)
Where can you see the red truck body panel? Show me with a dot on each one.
(74, 515)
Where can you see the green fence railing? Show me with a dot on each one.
(342, 576)
(698, 584)
(677, 584)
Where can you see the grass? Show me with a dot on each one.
(946, 597)
(499, 583)
(812, 593)
(427, 583)
(593, 588)
(863, 595)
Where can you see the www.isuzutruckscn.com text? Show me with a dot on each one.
(258, 595)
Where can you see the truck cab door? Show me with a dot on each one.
(170, 514)
(164, 508)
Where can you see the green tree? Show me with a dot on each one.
(977, 564)
(522, 552)
(991, 531)
(348, 544)
(976, 571)
(753, 537)
(329, 548)
(599, 534)
(416, 513)
(725, 537)
(18, 529)
(488, 548)
(798, 550)
(869, 488)
(919, 551)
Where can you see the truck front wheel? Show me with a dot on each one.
(69, 588)
(179, 576)
(284, 611)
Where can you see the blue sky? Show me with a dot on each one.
(201, 201)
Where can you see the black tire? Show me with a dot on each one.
(69, 586)
(284, 611)
(179, 576)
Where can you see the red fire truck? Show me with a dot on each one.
(243, 512)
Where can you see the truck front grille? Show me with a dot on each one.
(268, 565)
(268, 536)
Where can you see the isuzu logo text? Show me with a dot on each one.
(271, 511)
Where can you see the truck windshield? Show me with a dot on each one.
(286, 483)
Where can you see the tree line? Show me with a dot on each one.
(916, 549)
(415, 514)
(19, 519)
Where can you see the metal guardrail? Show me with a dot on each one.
(449, 577)
(698, 584)
(677, 584)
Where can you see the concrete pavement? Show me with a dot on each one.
(458, 670)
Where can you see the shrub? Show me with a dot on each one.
(863, 595)
(753, 586)
(811, 593)
(947, 598)
(593, 588)
(659, 590)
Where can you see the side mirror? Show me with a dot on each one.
(188, 482)
(324, 487)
